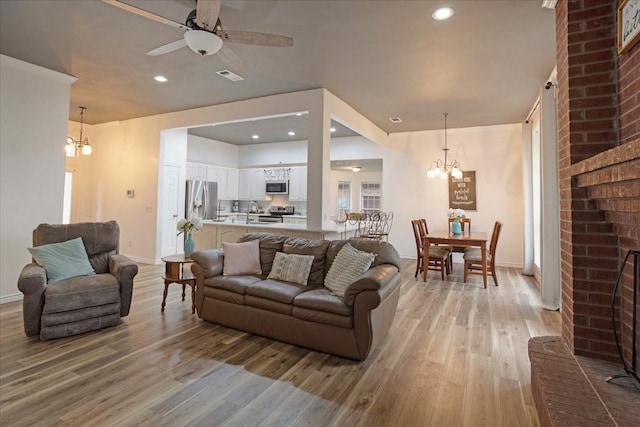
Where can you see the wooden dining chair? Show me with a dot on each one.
(425, 230)
(473, 257)
(438, 257)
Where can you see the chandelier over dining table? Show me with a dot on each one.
(441, 168)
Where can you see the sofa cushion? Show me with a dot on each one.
(323, 300)
(81, 292)
(322, 317)
(276, 290)
(269, 245)
(237, 284)
(291, 268)
(63, 260)
(317, 248)
(348, 265)
(385, 252)
(241, 258)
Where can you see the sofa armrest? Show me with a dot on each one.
(125, 270)
(377, 279)
(207, 263)
(32, 282)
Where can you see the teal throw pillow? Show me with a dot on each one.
(63, 260)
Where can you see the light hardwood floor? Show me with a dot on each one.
(456, 355)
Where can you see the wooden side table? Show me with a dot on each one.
(175, 273)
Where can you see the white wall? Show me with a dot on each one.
(494, 152)
(354, 147)
(204, 150)
(269, 154)
(34, 110)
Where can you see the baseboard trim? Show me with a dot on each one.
(11, 298)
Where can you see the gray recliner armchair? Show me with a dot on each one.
(83, 303)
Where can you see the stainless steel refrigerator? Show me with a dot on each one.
(201, 199)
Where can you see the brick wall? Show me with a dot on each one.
(599, 125)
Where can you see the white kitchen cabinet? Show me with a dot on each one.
(223, 184)
(293, 220)
(298, 184)
(244, 184)
(196, 171)
(232, 183)
(258, 185)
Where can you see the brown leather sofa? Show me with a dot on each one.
(309, 316)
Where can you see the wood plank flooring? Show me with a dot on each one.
(456, 355)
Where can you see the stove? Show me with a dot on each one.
(282, 210)
(276, 213)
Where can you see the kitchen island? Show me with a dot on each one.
(213, 234)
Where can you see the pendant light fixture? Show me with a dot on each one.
(82, 145)
(443, 169)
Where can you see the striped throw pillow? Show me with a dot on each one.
(291, 268)
(347, 266)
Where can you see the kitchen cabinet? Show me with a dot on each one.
(293, 220)
(205, 238)
(196, 171)
(212, 174)
(251, 184)
(232, 183)
(244, 184)
(298, 184)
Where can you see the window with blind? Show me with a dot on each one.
(344, 198)
(370, 193)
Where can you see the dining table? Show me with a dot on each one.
(466, 238)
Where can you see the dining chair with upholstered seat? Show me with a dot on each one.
(473, 257)
(425, 230)
(438, 256)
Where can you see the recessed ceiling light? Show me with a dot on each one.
(255, 136)
(356, 168)
(161, 79)
(442, 13)
(332, 129)
(291, 133)
(298, 114)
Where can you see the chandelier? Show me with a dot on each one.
(277, 174)
(82, 145)
(443, 169)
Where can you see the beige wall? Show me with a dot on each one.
(34, 111)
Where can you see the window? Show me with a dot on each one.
(370, 196)
(344, 198)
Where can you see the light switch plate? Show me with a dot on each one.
(131, 193)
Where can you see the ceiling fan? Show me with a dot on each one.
(204, 32)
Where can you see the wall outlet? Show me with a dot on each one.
(131, 193)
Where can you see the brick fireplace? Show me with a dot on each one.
(599, 172)
(598, 94)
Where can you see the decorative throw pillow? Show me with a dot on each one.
(241, 258)
(291, 268)
(63, 260)
(347, 266)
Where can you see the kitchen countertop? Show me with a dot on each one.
(326, 228)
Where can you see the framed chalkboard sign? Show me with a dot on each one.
(628, 24)
(462, 191)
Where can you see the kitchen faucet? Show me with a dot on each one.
(255, 205)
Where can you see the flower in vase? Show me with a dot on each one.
(189, 226)
(457, 214)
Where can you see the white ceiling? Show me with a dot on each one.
(484, 66)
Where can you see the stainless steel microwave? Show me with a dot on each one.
(277, 187)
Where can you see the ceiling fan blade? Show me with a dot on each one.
(231, 59)
(258, 39)
(169, 47)
(207, 13)
(144, 13)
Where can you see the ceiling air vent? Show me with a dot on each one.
(229, 75)
(395, 119)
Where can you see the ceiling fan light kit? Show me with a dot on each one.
(203, 42)
(204, 31)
